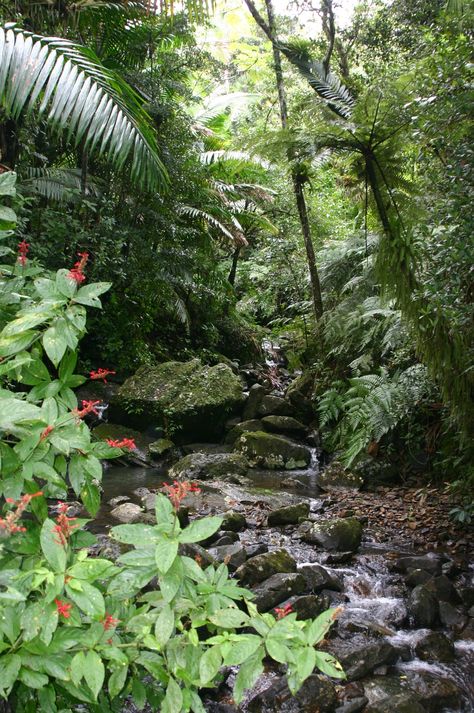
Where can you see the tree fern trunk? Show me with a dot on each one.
(233, 269)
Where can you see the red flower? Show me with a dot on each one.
(64, 609)
(9, 523)
(87, 407)
(178, 491)
(23, 249)
(46, 432)
(64, 524)
(77, 272)
(281, 612)
(109, 622)
(127, 443)
(101, 374)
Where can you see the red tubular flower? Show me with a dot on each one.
(23, 249)
(109, 622)
(9, 523)
(64, 609)
(46, 432)
(178, 491)
(87, 407)
(281, 612)
(126, 443)
(101, 374)
(64, 524)
(77, 272)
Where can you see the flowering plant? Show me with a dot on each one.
(81, 629)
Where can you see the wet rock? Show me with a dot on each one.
(292, 483)
(198, 553)
(443, 589)
(417, 576)
(234, 521)
(353, 706)
(284, 424)
(299, 395)
(243, 427)
(258, 549)
(316, 695)
(467, 596)
(256, 394)
(127, 513)
(362, 661)
(422, 606)
(192, 398)
(435, 693)
(263, 566)
(161, 447)
(148, 502)
(275, 406)
(317, 578)
(402, 703)
(289, 515)
(226, 537)
(106, 548)
(339, 534)
(232, 555)
(276, 589)
(307, 606)
(338, 557)
(273, 452)
(116, 432)
(335, 477)
(209, 466)
(119, 499)
(382, 688)
(451, 616)
(435, 646)
(430, 562)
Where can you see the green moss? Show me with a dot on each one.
(274, 452)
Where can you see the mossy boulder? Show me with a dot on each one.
(341, 534)
(284, 424)
(288, 515)
(275, 406)
(243, 427)
(261, 567)
(210, 466)
(161, 447)
(190, 399)
(265, 450)
(116, 432)
(335, 477)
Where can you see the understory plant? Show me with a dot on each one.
(155, 626)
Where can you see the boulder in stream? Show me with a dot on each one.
(210, 466)
(284, 424)
(318, 578)
(266, 450)
(288, 515)
(127, 513)
(261, 567)
(190, 399)
(253, 424)
(422, 606)
(342, 534)
(364, 660)
(316, 695)
(276, 589)
(275, 406)
(402, 703)
(435, 646)
(335, 477)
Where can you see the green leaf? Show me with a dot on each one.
(209, 665)
(329, 665)
(164, 625)
(117, 681)
(33, 679)
(200, 529)
(138, 535)
(9, 668)
(7, 183)
(77, 667)
(55, 342)
(305, 662)
(138, 693)
(88, 598)
(52, 548)
(320, 626)
(91, 569)
(16, 343)
(163, 510)
(229, 618)
(237, 651)
(165, 553)
(89, 294)
(248, 675)
(94, 672)
(90, 496)
(64, 284)
(172, 580)
(7, 218)
(173, 701)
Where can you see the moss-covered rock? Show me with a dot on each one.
(288, 515)
(275, 406)
(234, 521)
(257, 569)
(160, 447)
(284, 424)
(243, 427)
(117, 432)
(342, 534)
(210, 466)
(299, 395)
(265, 450)
(191, 400)
(335, 477)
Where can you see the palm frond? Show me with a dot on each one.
(66, 83)
(237, 238)
(222, 155)
(57, 184)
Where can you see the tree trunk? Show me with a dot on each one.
(233, 269)
(298, 183)
(8, 143)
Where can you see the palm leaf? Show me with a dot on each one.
(66, 84)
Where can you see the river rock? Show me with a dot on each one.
(361, 661)
(127, 513)
(117, 500)
(161, 447)
(422, 606)
(244, 427)
(266, 450)
(299, 395)
(435, 646)
(263, 566)
(198, 553)
(210, 466)
(452, 616)
(276, 589)
(284, 424)
(275, 406)
(435, 693)
(355, 705)
(443, 589)
(233, 555)
(417, 576)
(307, 606)
(317, 578)
(335, 477)
(342, 534)
(316, 695)
(234, 521)
(288, 515)
(192, 399)
(226, 537)
(252, 405)
(430, 562)
(402, 703)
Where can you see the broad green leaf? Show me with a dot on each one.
(329, 665)
(138, 535)
(7, 218)
(117, 681)
(173, 701)
(164, 625)
(229, 618)
(16, 343)
(172, 580)
(90, 496)
(89, 599)
(89, 294)
(209, 665)
(26, 322)
(248, 675)
(138, 693)
(200, 529)
(32, 679)
(52, 548)
(91, 569)
(305, 662)
(55, 342)
(94, 672)
(163, 510)
(7, 183)
(165, 553)
(320, 626)
(236, 652)
(64, 284)
(9, 668)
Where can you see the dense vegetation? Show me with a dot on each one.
(315, 190)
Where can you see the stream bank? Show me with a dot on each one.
(388, 555)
